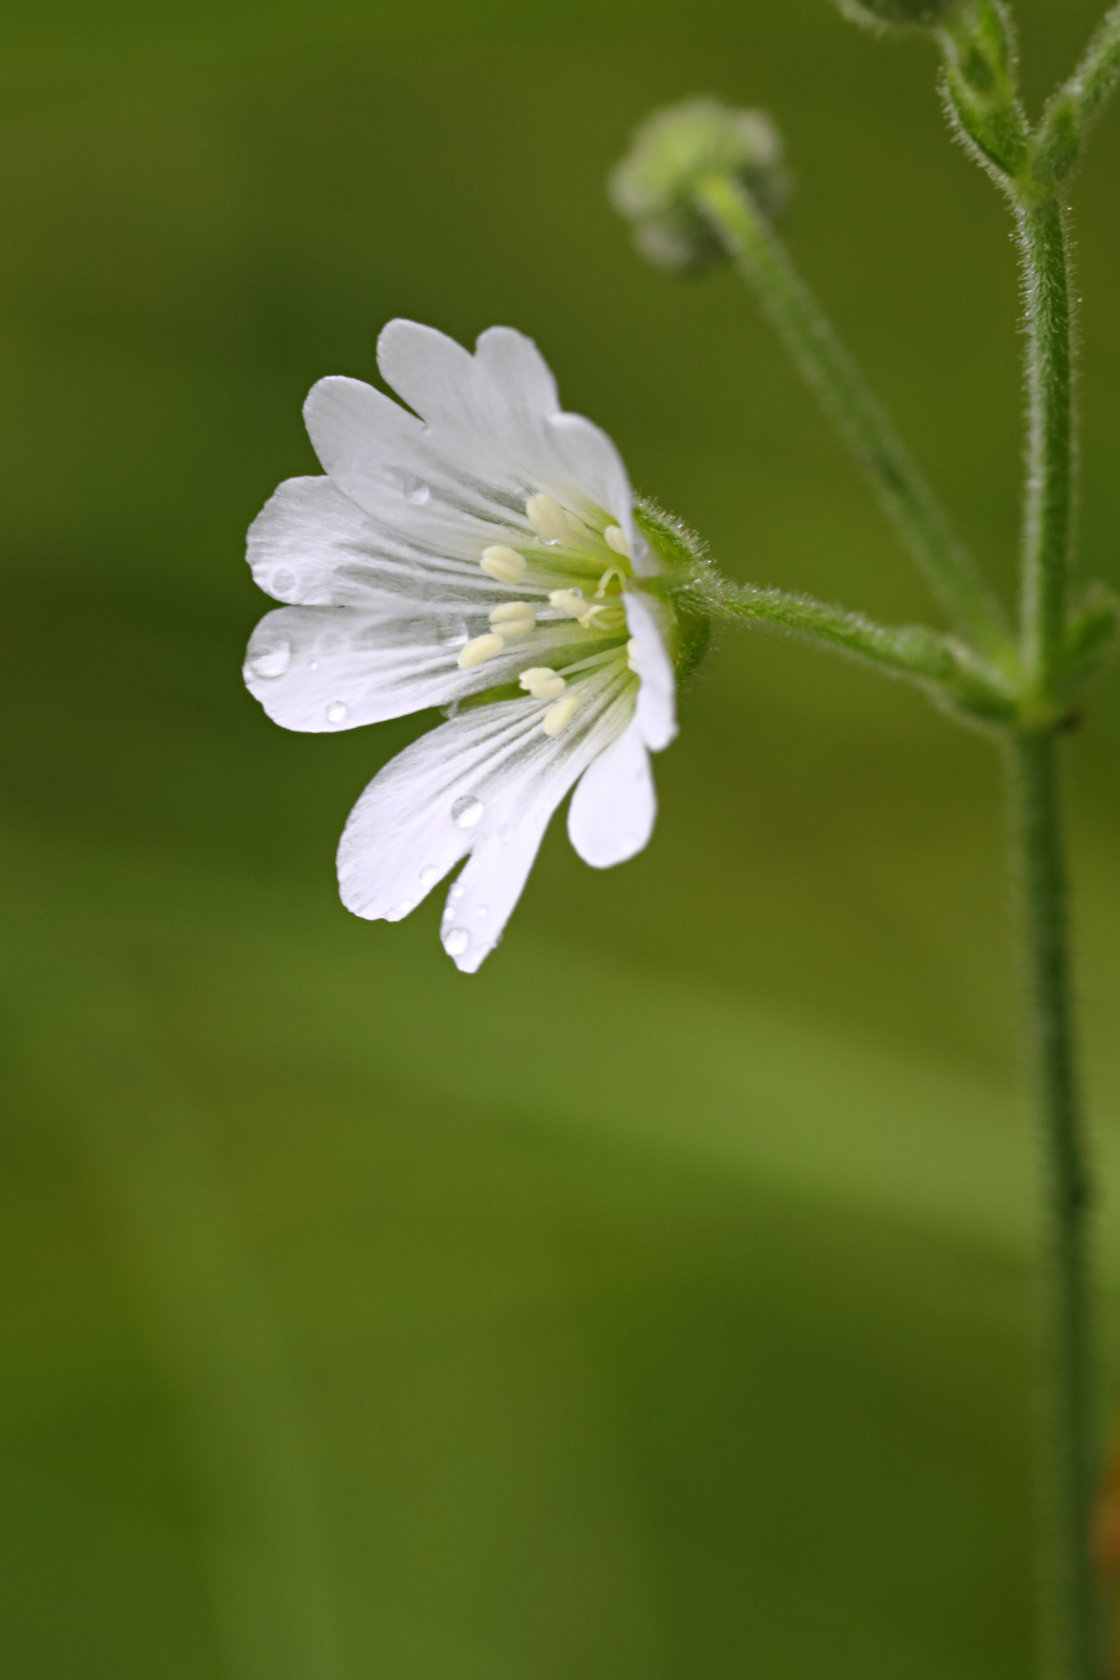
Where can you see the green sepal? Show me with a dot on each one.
(981, 86)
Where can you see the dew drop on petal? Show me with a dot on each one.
(452, 632)
(313, 664)
(483, 910)
(455, 941)
(416, 491)
(466, 811)
(336, 711)
(456, 891)
(429, 875)
(505, 834)
(272, 661)
(282, 584)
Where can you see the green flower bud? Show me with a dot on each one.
(898, 14)
(672, 153)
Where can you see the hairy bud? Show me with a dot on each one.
(672, 153)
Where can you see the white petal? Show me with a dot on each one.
(313, 545)
(487, 782)
(318, 668)
(519, 373)
(401, 837)
(657, 709)
(613, 809)
(579, 457)
(446, 490)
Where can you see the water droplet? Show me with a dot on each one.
(456, 891)
(483, 910)
(272, 661)
(282, 584)
(466, 811)
(403, 908)
(416, 491)
(505, 834)
(429, 875)
(313, 664)
(455, 941)
(336, 711)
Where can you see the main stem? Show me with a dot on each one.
(1048, 513)
(1067, 1419)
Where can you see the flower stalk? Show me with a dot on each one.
(827, 367)
(1048, 505)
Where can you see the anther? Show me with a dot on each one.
(503, 564)
(560, 714)
(615, 537)
(513, 618)
(479, 650)
(632, 655)
(547, 518)
(568, 601)
(542, 682)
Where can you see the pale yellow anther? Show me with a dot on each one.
(615, 537)
(503, 564)
(547, 518)
(568, 601)
(479, 650)
(632, 655)
(560, 714)
(542, 682)
(513, 618)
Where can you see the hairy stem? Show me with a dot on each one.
(1067, 1443)
(865, 427)
(1048, 510)
(908, 650)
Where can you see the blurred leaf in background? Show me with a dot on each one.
(654, 1303)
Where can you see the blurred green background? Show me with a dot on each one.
(655, 1304)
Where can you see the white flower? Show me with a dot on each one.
(486, 549)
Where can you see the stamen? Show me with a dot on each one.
(503, 564)
(568, 601)
(542, 682)
(547, 518)
(513, 618)
(479, 650)
(615, 537)
(560, 714)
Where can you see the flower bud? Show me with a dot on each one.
(898, 14)
(672, 153)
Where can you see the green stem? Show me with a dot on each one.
(1048, 513)
(908, 650)
(830, 371)
(1086, 91)
(1068, 1445)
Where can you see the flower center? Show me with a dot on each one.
(568, 545)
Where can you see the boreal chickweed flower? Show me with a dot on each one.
(479, 554)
